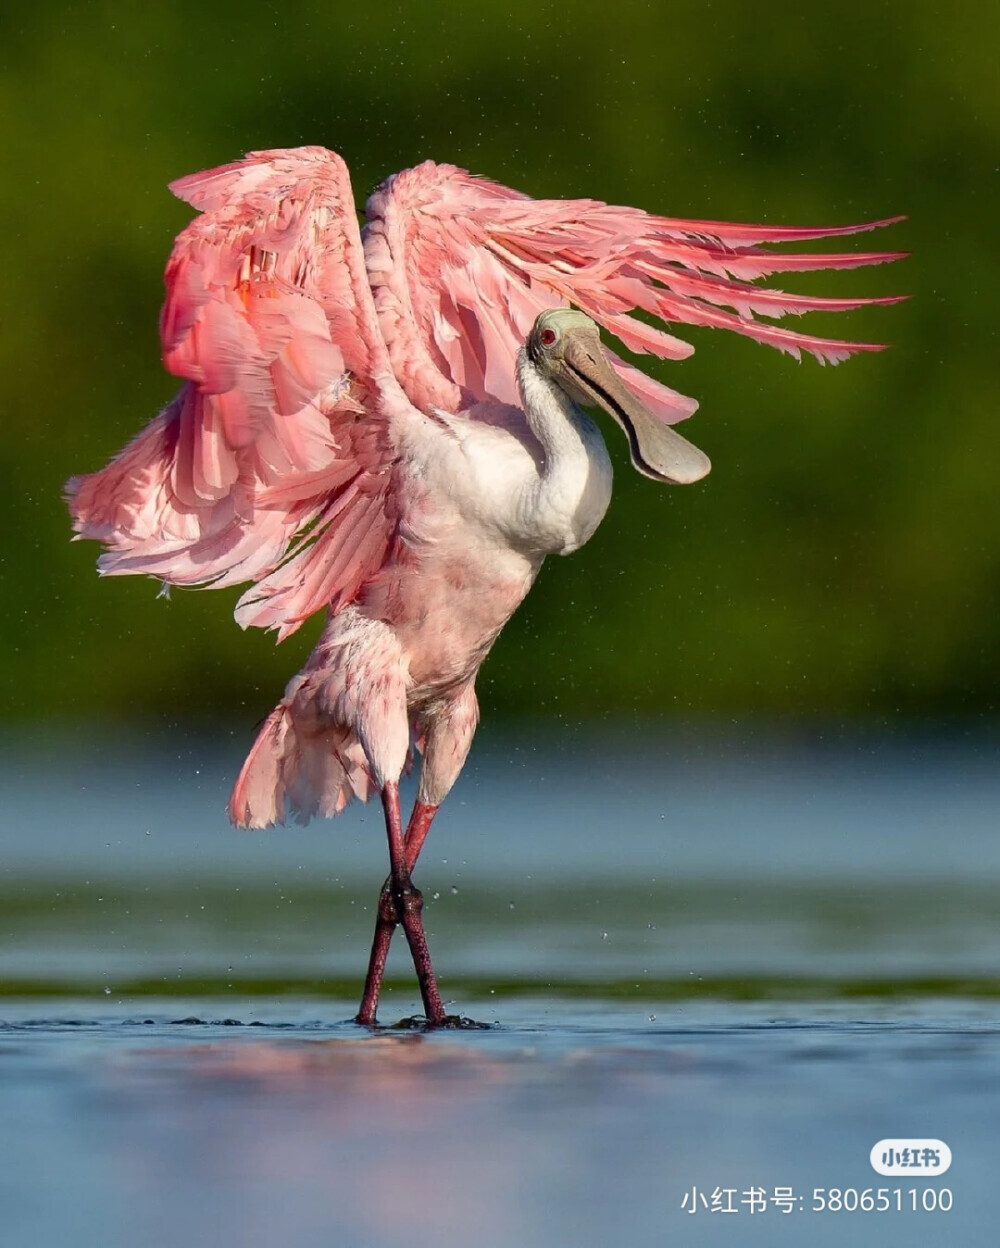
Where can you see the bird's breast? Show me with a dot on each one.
(447, 603)
(505, 485)
(482, 509)
(573, 493)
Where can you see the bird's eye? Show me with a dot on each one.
(547, 337)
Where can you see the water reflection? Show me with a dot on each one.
(340, 1141)
(566, 1125)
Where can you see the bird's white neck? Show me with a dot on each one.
(573, 490)
(553, 417)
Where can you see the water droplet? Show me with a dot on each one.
(652, 1018)
(604, 935)
(435, 896)
(454, 890)
(107, 992)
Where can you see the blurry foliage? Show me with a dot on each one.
(843, 555)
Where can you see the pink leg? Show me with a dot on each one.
(421, 818)
(385, 925)
(400, 902)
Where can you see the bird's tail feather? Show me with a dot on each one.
(314, 773)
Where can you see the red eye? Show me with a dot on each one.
(547, 337)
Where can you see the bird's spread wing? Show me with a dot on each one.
(461, 266)
(273, 463)
(302, 351)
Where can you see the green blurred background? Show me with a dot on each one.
(842, 558)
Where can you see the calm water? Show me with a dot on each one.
(709, 963)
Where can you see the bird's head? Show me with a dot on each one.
(565, 345)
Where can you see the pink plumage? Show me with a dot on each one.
(352, 435)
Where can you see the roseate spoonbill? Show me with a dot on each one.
(386, 426)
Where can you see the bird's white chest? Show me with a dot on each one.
(536, 499)
(562, 508)
(485, 505)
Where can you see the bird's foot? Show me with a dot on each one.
(450, 1022)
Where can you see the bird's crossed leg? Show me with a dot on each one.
(401, 904)
(445, 733)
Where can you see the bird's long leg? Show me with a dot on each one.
(388, 917)
(385, 925)
(409, 904)
(447, 735)
(421, 818)
(400, 902)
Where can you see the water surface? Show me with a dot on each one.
(710, 966)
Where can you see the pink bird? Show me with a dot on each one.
(385, 425)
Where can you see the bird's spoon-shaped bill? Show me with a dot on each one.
(658, 451)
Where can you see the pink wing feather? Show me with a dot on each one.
(271, 463)
(460, 267)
